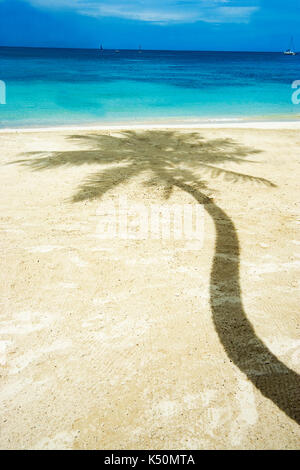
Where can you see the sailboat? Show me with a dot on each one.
(140, 49)
(290, 51)
(101, 48)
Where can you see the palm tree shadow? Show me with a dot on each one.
(188, 162)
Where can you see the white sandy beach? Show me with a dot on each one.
(181, 125)
(150, 344)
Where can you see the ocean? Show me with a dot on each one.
(48, 87)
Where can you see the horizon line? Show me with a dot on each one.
(137, 49)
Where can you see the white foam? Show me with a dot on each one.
(217, 124)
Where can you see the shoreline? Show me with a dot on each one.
(232, 124)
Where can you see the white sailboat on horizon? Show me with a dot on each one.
(291, 50)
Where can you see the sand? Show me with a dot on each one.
(150, 343)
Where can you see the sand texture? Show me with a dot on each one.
(155, 343)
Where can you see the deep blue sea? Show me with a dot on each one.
(46, 87)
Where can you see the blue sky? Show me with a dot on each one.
(156, 24)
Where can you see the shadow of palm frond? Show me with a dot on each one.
(188, 162)
(96, 185)
(167, 155)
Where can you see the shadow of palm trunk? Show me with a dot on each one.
(162, 153)
(269, 375)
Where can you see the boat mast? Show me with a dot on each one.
(292, 44)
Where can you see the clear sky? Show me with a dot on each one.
(254, 25)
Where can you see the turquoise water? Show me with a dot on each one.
(46, 87)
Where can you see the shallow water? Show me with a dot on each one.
(69, 86)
